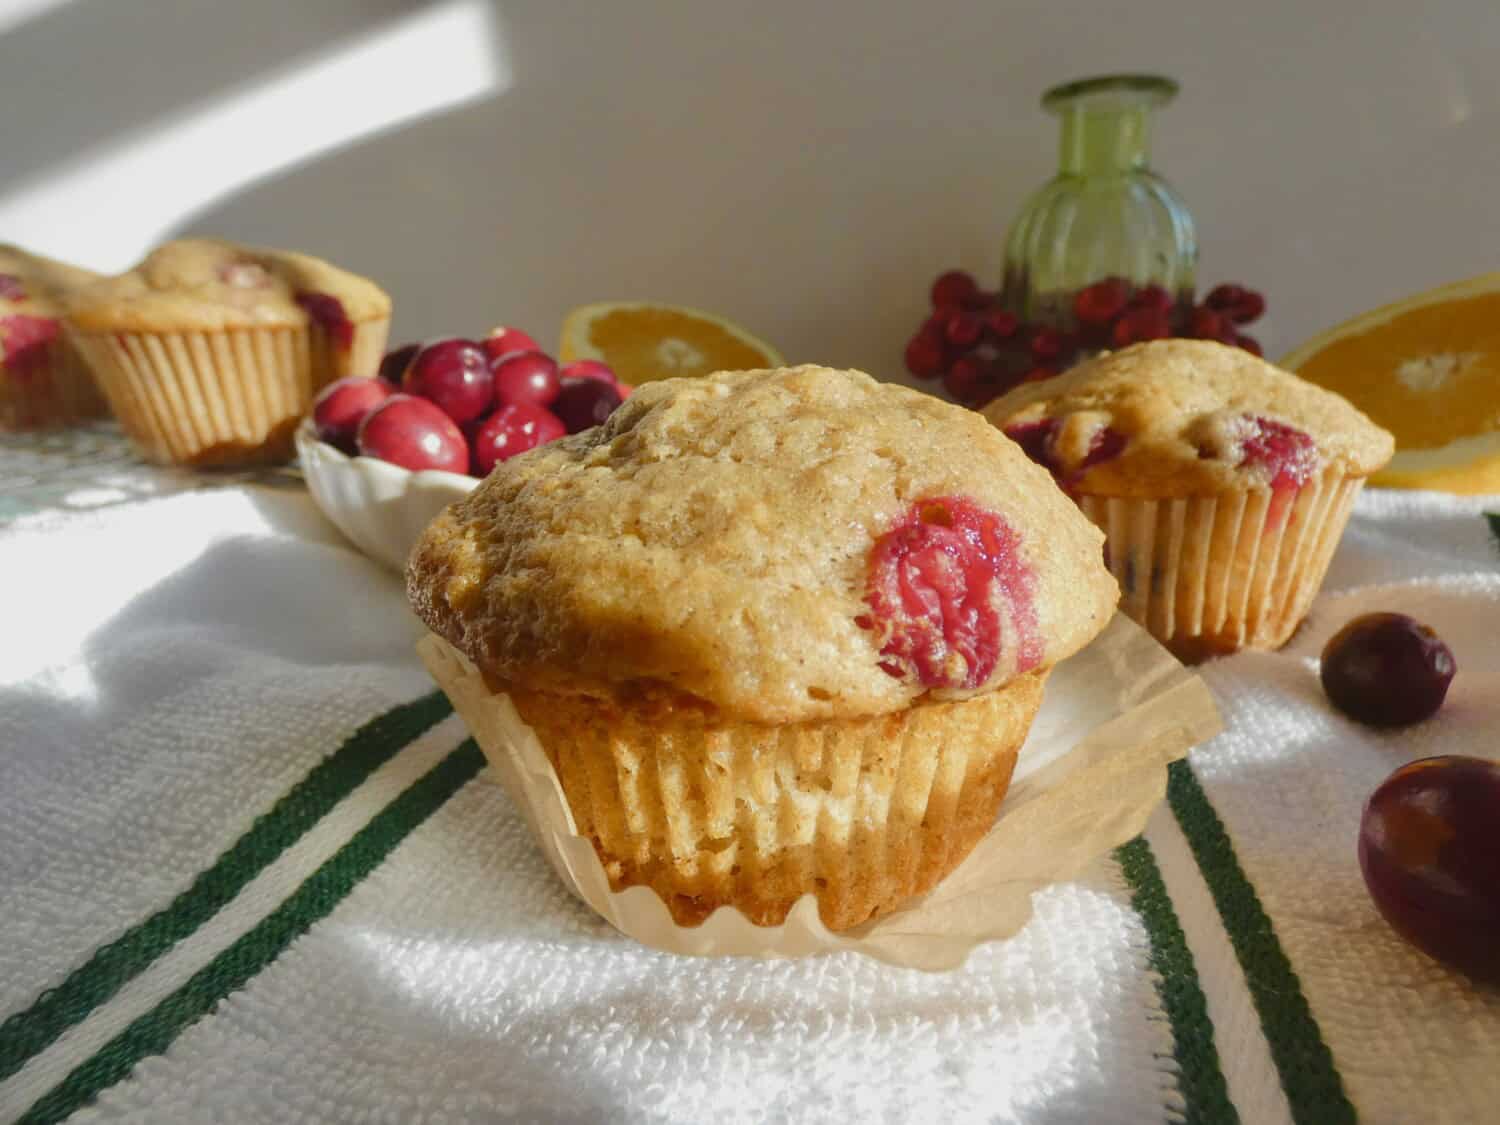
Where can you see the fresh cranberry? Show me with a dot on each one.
(583, 403)
(1040, 374)
(327, 312)
(342, 405)
(1001, 325)
(1152, 297)
(1045, 343)
(1387, 670)
(1206, 324)
(395, 362)
(1101, 302)
(1249, 343)
(962, 379)
(511, 430)
(11, 288)
(1239, 304)
(1140, 324)
(525, 377)
(954, 288)
(925, 355)
(413, 433)
(963, 329)
(1430, 855)
(27, 342)
(589, 369)
(979, 301)
(938, 581)
(453, 373)
(504, 340)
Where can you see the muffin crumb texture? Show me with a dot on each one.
(771, 546)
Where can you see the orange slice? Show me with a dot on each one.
(1427, 369)
(643, 341)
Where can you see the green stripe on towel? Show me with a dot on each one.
(27, 1033)
(153, 1032)
(1308, 1075)
(1200, 1077)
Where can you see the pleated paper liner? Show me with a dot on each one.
(1211, 575)
(229, 396)
(1089, 774)
(58, 390)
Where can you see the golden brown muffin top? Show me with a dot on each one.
(776, 545)
(1186, 418)
(203, 284)
(35, 286)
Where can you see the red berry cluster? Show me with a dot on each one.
(980, 349)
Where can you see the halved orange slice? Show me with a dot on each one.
(642, 341)
(1428, 369)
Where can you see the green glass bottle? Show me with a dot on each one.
(1106, 213)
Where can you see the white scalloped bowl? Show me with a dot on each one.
(381, 508)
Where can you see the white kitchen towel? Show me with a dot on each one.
(250, 870)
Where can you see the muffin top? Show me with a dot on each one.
(773, 546)
(31, 285)
(203, 284)
(1186, 418)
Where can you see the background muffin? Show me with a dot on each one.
(1222, 483)
(779, 631)
(210, 352)
(42, 380)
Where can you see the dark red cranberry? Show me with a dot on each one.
(342, 405)
(937, 581)
(1206, 324)
(1101, 302)
(1249, 343)
(1045, 343)
(1106, 444)
(454, 374)
(925, 355)
(1039, 374)
(413, 433)
(963, 329)
(1001, 325)
(1152, 297)
(393, 366)
(1240, 305)
(1387, 670)
(583, 403)
(526, 377)
(11, 288)
(327, 312)
(1430, 854)
(963, 378)
(27, 342)
(511, 430)
(1035, 440)
(504, 340)
(954, 288)
(1139, 325)
(980, 301)
(589, 369)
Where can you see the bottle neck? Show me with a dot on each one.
(1102, 140)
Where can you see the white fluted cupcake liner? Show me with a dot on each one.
(1215, 574)
(222, 397)
(56, 392)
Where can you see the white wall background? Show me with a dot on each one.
(804, 166)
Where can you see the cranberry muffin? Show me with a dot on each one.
(210, 353)
(1222, 483)
(779, 632)
(43, 382)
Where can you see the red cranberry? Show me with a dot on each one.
(453, 373)
(925, 355)
(342, 405)
(413, 433)
(1101, 302)
(1249, 343)
(525, 377)
(962, 379)
(1038, 441)
(1206, 324)
(1001, 325)
(1239, 304)
(511, 430)
(1387, 670)
(1430, 854)
(327, 312)
(1106, 444)
(954, 288)
(1152, 297)
(963, 329)
(11, 288)
(1140, 324)
(397, 360)
(1035, 440)
(1045, 343)
(1039, 374)
(504, 340)
(589, 369)
(583, 403)
(937, 580)
(1288, 455)
(27, 342)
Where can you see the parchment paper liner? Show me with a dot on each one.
(230, 396)
(1215, 574)
(1089, 775)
